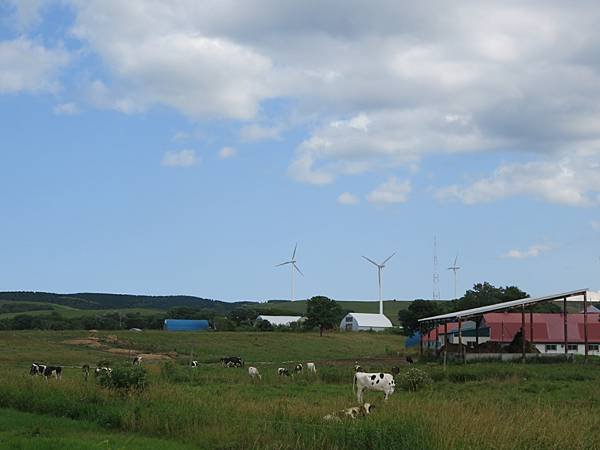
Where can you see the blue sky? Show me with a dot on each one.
(184, 147)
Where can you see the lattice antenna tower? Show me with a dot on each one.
(436, 275)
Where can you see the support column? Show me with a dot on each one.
(461, 348)
(585, 326)
(531, 328)
(421, 330)
(523, 333)
(565, 327)
(445, 343)
(477, 323)
(437, 338)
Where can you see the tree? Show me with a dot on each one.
(419, 309)
(484, 294)
(322, 312)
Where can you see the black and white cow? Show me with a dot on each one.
(53, 370)
(137, 361)
(382, 382)
(232, 361)
(194, 363)
(409, 360)
(37, 369)
(86, 371)
(282, 371)
(102, 371)
(351, 413)
(358, 368)
(299, 368)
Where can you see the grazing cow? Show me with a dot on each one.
(137, 361)
(351, 413)
(358, 368)
(310, 367)
(298, 368)
(282, 371)
(395, 370)
(194, 363)
(37, 369)
(383, 382)
(409, 360)
(232, 361)
(53, 370)
(86, 371)
(102, 371)
(253, 372)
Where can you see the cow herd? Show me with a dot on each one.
(362, 381)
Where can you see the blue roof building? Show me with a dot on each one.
(185, 325)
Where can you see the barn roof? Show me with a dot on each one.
(279, 320)
(575, 296)
(371, 320)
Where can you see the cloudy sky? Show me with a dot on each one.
(185, 146)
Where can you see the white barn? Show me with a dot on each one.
(280, 320)
(365, 322)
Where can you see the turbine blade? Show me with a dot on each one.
(296, 267)
(455, 259)
(294, 254)
(371, 261)
(388, 258)
(283, 263)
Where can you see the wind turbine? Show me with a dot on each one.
(379, 267)
(454, 268)
(292, 262)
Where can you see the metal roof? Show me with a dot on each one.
(371, 320)
(279, 320)
(500, 306)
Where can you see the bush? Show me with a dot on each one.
(413, 379)
(127, 378)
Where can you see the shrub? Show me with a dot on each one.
(413, 379)
(128, 377)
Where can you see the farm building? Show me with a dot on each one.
(365, 322)
(280, 320)
(185, 325)
(547, 330)
(493, 329)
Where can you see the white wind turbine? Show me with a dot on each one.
(379, 268)
(454, 268)
(292, 262)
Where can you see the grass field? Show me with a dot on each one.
(484, 405)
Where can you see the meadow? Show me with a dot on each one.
(483, 405)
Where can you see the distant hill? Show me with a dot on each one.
(118, 301)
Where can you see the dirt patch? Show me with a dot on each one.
(145, 356)
(90, 342)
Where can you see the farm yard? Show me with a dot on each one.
(211, 406)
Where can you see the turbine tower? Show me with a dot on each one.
(379, 268)
(294, 267)
(454, 268)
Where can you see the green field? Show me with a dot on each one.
(484, 405)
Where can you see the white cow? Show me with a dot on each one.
(253, 372)
(383, 382)
(310, 367)
(351, 413)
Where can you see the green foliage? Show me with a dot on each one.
(419, 309)
(125, 377)
(263, 325)
(322, 312)
(483, 294)
(413, 379)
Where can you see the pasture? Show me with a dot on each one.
(484, 405)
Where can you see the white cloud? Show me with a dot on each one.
(26, 13)
(595, 225)
(346, 198)
(531, 252)
(68, 109)
(26, 66)
(392, 191)
(180, 158)
(259, 133)
(569, 181)
(227, 152)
